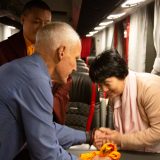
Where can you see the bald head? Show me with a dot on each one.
(56, 34)
(59, 45)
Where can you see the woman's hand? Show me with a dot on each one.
(111, 136)
(98, 138)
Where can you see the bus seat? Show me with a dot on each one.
(83, 106)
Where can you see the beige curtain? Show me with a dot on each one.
(138, 40)
(156, 37)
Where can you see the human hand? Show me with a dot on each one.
(98, 138)
(111, 136)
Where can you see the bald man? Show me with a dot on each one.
(26, 98)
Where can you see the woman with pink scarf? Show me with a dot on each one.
(135, 99)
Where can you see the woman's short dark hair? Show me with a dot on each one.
(108, 64)
(35, 4)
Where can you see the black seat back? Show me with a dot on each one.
(79, 107)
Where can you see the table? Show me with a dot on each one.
(125, 155)
(133, 155)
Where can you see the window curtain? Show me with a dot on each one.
(110, 37)
(115, 35)
(104, 40)
(86, 46)
(118, 38)
(156, 37)
(120, 43)
(1, 32)
(138, 40)
(126, 38)
(100, 41)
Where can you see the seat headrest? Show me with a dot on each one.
(81, 89)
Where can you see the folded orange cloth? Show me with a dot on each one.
(107, 150)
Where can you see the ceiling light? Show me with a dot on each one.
(131, 3)
(88, 35)
(93, 32)
(11, 27)
(114, 16)
(99, 28)
(105, 23)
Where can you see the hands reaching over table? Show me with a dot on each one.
(105, 140)
(106, 135)
(112, 136)
(99, 137)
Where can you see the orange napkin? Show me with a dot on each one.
(107, 150)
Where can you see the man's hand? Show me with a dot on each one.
(111, 136)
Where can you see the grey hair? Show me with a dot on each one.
(55, 34)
